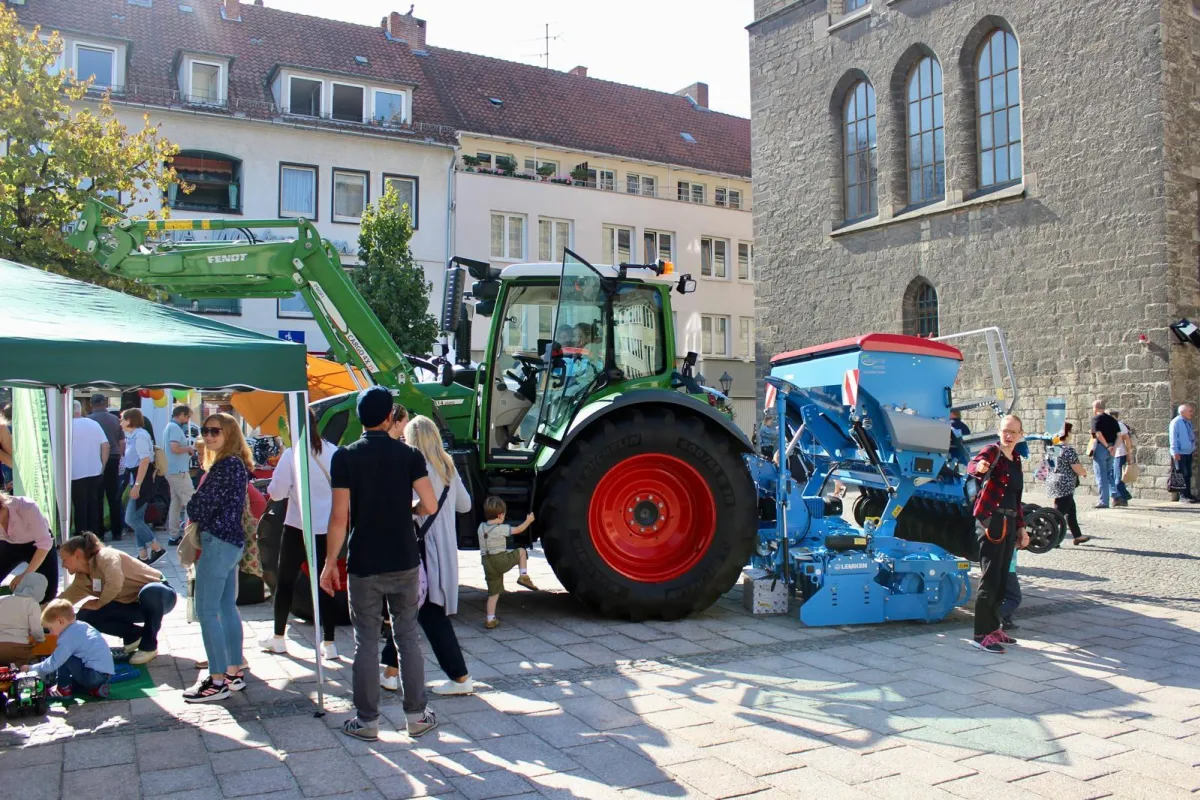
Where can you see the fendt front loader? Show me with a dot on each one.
(645, 505)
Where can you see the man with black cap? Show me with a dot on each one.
(372, 499)
(110, 483)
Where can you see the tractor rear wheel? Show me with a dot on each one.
(651, 515)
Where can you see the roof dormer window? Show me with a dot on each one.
(390, 108)
(98, 63)
(304, 96)
(204, 81)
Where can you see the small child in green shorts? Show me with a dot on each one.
(497, 558)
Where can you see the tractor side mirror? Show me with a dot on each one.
(687, 284)
(447, 375)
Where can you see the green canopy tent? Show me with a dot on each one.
(57, 334)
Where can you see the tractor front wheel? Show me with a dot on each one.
(651, 515)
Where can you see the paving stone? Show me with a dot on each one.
(247, 759)
(1139, 787)
(1157, 767)
(558, 728)
(34, 782)
(234, 736)
(521, 702)
(753, 758)
(327, 772)
(675, 718)
(616, 765)
(716, 777)
(297, 734)
(578, 784)
(483, 725)
(845, 765)
(525, 754)
(102, 751)
(985, 787)
(168, 781)
(600, 714)
(1056, 786)
(1001, 767)
(404, 774)
(256, 783)
(110, 781)
(809, 782)
(1181, 751)
(903, 787)
(661, 747)
(920, 764)
(1084, 744)
(494, 784)
(168, 749)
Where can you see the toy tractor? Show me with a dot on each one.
(26, 693)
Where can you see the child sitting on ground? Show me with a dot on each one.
(1012, 597)
(21, 620)
(497, 558)
(82, 661)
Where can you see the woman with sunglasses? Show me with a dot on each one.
(139, 477)
(217, 508)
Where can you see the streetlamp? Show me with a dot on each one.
(726, 381)
(701, 380)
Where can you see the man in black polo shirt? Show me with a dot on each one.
(373, 482)
(1105, 432)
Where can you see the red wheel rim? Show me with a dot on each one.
(652, 517)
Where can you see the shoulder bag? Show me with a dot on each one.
(422, 529)
(1175, 481)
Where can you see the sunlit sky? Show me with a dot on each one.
(658, 44)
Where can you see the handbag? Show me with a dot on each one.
(189, 546)
(1042, 472)
(1130, 473)
(422, 529)
(1175, 481)
(251, 563)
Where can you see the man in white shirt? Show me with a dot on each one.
(89, 454)
(1120, 459)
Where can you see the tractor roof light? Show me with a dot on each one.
(668, 267)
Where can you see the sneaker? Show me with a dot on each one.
(1081, 539)
(100, 692)
(60, 692)
(133, 646)
(1120, 503)
(1009, 625)
(329, 651)
(1101, 505)
(988, 644)
(1003, 637)
(361, 730)
(273, 644)
(236, 682)
(174, 541)
(424, 725)
(454, 687)
(389, 682)
(525, 581)
(492, 623)
(155, 556)
(143, 657)
(206, 691)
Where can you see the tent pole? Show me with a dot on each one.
(298, 411)
(66, 397)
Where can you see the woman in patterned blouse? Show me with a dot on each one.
(217, 508)
(1061, 483)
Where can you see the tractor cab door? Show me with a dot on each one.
(574, 371)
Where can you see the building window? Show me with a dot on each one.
(508, 237)
(745, 261)
(745, 337)
(350, 190)
(999, 93)
(926, 147)
(618, 245)
(728, 198)
(920, 309)
(216, 182)
(554, 236)
(304, 97)
(605, 179)
(714, 335)
(297, 191)
(389, 108)
(98, 63)
(532, 165)
(714, 258)
(212, 305)
(348, 102)
(657, 246)
(207, 84)
(293, 307)
(860, 165)
(690, 192)
(406, 190)
(488, 160)
(855, 5)
(640, 184)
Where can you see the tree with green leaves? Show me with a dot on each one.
(390, 280)
(61, 144)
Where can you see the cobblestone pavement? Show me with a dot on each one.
(1101, 699)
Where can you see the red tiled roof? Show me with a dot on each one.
(453, 89)
(265, 39)
(575, 112)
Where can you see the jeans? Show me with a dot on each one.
(1066, 507)
(439, 630)
(367, 593)
(133, 621)
(135, 517)
(11, 555)
(85, 504)
(291, 556)
(80, 678)
(181, 491)
(1120, 491)
(1184, 465)
(1012, 596)
(216, 603)
(1102, 461)
(110, 490)
(994, 560)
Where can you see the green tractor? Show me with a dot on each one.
(645, 506)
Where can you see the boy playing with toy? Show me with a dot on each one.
(82, 660)
(497, 557)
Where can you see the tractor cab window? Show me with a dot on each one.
(526, 328)
(638, 335)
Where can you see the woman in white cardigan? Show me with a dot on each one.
(440, 555)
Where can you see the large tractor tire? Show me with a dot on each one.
(649, 515)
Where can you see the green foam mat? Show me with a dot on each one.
(128, 689)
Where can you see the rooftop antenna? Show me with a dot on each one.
(546, 53)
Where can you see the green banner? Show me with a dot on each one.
(33, 457)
